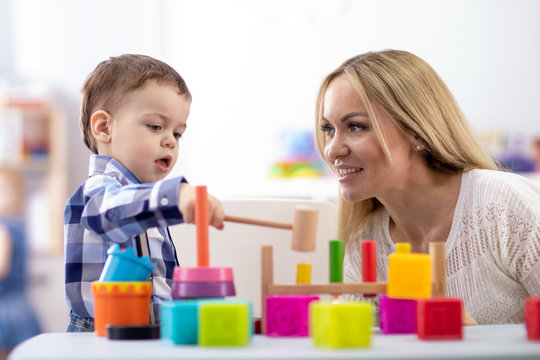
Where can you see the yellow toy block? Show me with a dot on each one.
(341, 325)
(409, 275)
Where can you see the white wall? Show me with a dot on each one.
(254, 66)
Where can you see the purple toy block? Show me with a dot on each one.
(397, 316)
(288, 315)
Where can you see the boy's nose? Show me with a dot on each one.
(168, 141)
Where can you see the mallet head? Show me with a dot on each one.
(304, 228)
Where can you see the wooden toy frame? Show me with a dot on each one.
(436, 250)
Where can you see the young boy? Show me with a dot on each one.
(134, 111)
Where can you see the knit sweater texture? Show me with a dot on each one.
(492, 251)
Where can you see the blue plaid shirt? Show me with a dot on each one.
(112, 206)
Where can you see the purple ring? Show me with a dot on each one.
(182, 290)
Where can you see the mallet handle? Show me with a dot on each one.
(267, 223)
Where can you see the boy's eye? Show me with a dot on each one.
(177, 135)
(155, 127)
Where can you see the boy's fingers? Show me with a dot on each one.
(217, 214)
(188, 214)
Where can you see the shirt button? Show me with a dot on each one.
(164, 201)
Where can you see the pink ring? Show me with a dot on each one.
(203, 274)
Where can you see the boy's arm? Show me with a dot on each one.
(116, 212)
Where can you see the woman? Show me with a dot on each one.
(411, 171)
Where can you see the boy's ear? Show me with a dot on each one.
(100, 123)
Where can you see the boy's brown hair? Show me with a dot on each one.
(112, 79)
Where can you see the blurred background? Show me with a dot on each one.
(253, 68)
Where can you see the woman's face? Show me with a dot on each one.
(352, 146)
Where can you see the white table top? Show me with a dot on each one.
(493, 342)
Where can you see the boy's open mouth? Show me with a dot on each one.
(163, 163)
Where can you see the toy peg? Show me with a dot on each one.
(438, 271)
(369, 262)
(336, 261)
(303, 273)
(202, 223)
(436, 250)
(304, 227)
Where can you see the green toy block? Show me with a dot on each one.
(341, 325)
(225, 323)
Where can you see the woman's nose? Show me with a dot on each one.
(335, 148)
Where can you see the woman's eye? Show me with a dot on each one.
(329, 130)
(155, 127)
(355, 127)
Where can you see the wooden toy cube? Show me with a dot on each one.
(341, 325)
(288, 315)
(179, 321)
(397, 316)
(440, 319)
(409, 275)
(532, 318)
(225, 322)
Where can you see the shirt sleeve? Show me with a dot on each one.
(116, 212)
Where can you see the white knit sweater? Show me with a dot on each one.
(492, 251)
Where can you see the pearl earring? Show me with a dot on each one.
(418, 147)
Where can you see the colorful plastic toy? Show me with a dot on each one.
(202, 281)
(124, 265)
(336, 260)
(397, 316)
(225, 322)
(180, 321)
(532, 318)
(341, 325)
(303, 273)
(288, 315)
(409, 275)
(440, 319)
(121, 303)
(369, 262)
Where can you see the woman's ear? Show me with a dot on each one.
(100, 123)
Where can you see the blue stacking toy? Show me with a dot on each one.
(124, 265)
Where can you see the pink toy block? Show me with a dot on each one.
(440, 319)
(532, 318)
(288, 315)
(397, 316)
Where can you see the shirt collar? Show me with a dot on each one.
(101, 164)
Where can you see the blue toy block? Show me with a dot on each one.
(179, 322)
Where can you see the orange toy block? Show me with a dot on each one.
(409, 275)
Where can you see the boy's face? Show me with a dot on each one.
(146, 129)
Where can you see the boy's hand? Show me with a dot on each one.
(186, 205)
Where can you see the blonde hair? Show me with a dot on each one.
(421, 106)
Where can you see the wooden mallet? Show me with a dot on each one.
(304, 228)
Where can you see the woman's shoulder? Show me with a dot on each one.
(498, 190)
(499, 185)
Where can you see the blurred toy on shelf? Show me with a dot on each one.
(298, 158)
